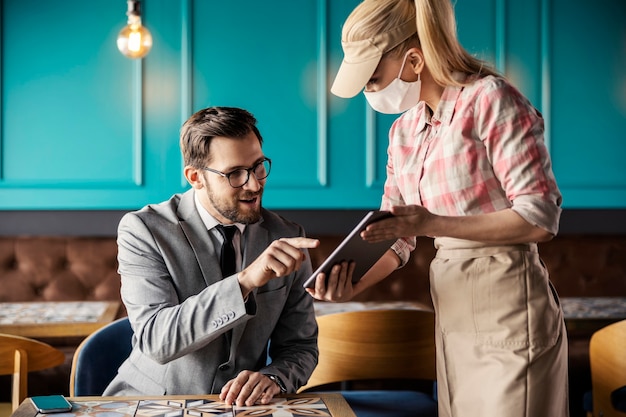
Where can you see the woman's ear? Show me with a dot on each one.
(416, 59)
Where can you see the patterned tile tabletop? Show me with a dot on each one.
(51, 312)
(594, 307)
(278, 407)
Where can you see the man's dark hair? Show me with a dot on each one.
(198, 131)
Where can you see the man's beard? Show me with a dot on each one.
(228, 207)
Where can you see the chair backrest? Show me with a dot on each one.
(20, 355)
(375, 344)
(607, 357)
(98, 358)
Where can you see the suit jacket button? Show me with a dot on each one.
(214, 323)
(219, 321)
(224, 318)
(231, 314)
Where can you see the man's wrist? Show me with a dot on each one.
(277, 381)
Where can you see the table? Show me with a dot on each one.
(56, 318)
(197, 405)
(585, 315)
(323, 308)
(580, 313)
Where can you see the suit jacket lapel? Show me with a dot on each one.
(257, 240)
(197, 235)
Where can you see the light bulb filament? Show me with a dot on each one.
(134, 41)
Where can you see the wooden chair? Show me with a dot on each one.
(607, 356)
(392, 344)
(20, 355)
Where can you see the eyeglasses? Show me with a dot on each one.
(240, 177)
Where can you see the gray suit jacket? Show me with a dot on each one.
(182, 310)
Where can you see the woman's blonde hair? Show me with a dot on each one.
(436, 34)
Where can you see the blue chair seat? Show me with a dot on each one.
(98, 357)
(618, 399)
(588, 402)
(391, 403)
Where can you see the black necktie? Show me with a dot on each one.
(227, 256)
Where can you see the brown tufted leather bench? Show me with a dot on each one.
(58, 269)
(85, 268)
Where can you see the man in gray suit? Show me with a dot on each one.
(195, 330)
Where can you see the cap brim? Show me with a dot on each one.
(352, 77)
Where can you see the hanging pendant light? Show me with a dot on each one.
(134, 40)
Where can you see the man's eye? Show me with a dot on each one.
(240, 173)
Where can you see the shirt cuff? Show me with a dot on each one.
(277, 381)
(538, 212)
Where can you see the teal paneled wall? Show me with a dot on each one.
(82, 127)
(74, 131)
(588, 101)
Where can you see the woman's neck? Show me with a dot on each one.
(431, 91)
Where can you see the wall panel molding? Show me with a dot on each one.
(322, 93)
(546, 71)
(186, 71)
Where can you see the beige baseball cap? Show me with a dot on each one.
(362, 57)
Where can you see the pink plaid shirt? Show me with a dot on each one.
(482, 151)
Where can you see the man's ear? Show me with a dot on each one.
(194, 177)
(416, 59)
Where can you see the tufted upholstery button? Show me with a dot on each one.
(10, 263)
(38, 290)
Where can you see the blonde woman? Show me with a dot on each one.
(467, 165)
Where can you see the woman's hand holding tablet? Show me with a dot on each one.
(354, 248)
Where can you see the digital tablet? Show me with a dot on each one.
(354, 248)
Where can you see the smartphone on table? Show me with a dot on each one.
(46, 404)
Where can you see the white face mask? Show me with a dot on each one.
(397, 97)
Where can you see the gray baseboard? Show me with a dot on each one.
(315, 222)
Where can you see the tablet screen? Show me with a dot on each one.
(353, 248)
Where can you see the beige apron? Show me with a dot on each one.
(500, 334)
